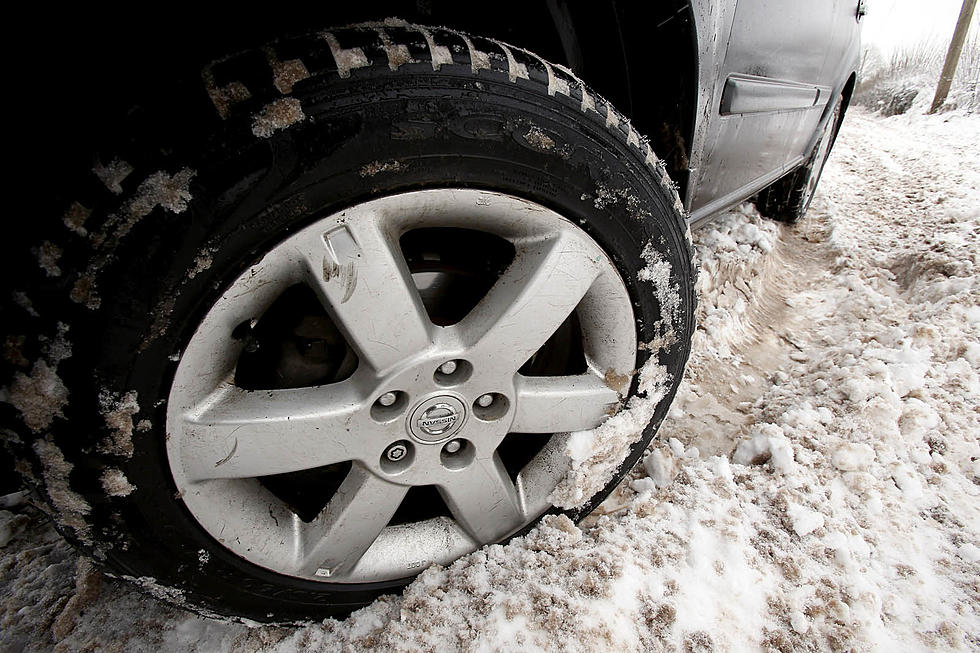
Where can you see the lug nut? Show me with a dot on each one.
(448, 367)
(485, 400)
(387, 399)
(396, 452)
(453, 446)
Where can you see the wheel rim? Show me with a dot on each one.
(404, 418)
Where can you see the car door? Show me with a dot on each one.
(773, 85)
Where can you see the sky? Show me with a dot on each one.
(891, 23)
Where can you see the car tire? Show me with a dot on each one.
(175, 314)
(788, 199)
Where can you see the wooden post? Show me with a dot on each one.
(953, 56)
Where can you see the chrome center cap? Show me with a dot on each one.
(436, 419)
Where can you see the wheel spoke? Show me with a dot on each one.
(242, 434)
(365, 284)
(530, 301)
(556, 404)
(484, 501)
(350, 523)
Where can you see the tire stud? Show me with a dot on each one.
(448, 367)
(387, 399)
(485, 400)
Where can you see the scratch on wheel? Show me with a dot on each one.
(347, 273)
(231, 453)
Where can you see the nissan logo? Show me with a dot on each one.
(438, 419)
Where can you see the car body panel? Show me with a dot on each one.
(767, 73)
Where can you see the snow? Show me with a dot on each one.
(115, 483)
(118, 412)
(537, 138)
(203, 261)
(277, 116)
(853, 456)
(804, 520)
(286, 73)
(112, 174)
(375, 167)
(48, 255)
(160, 189)
(70, 507)
(595, 455)
(767, 443)
(75, 218)
(171, 192)
(657, 272)
(8, 526)
(662, 465)
(346, 60)
(815, 486)
(41, 396)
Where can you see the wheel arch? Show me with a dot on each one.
(658, 54)
(846, 93)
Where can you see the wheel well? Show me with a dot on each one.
(643, 58)
(848, 89)
(662, 48)
(846, 94)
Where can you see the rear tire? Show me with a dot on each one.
(288, 137)
(788, 199)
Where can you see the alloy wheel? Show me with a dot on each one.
(416, 405)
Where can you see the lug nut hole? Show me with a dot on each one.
(453, 372)
(397, 457)
(389, 406)
(491, 406)
(457, 454)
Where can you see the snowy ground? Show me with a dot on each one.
(816, 486)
